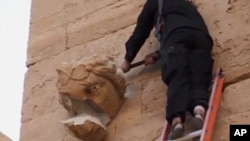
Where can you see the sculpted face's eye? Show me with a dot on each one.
(95, 87)
(92, 89)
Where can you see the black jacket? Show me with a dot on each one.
(177, 14)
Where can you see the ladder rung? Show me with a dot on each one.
(189, 136)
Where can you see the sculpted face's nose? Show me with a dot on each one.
(94, 105)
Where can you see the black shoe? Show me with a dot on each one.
(176, 132)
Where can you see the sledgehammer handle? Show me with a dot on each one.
(143, 62)
(137, 64)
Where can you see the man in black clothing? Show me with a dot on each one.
(185, 56)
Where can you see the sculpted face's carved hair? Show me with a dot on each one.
(102, 67)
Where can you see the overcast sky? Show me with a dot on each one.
(14, 26)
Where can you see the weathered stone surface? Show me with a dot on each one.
(40, 88)
(4, 137)
(226, 20)
(131, 123)
(234, 109)
(70, 30)
(47, 127)
(45, 16)
(41, 98)
(82, 30)
(41, 95)
(116, 17)
(46, 45)
(235, 99)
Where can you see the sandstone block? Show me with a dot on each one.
(4, 137)
(87, 29)
(47, 127)
(235, 99)
(47, 16)
(46, 45)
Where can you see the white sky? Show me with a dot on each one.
(14, 26)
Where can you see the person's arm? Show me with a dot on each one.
(145, 24)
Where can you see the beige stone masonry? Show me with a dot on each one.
(4, 137)
(66, 30)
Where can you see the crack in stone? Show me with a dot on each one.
(102, 35)
(75, 20)
(66, 38)
(237, 79)
(115, 130)
(242, 51)
(237, 114)
(141, 93)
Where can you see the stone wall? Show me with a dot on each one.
(4, 137)
(64, 30)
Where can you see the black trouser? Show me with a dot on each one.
(187, 71)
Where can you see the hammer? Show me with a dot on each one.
(139, 63)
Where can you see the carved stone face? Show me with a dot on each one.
(95, 88)
(91, 87)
